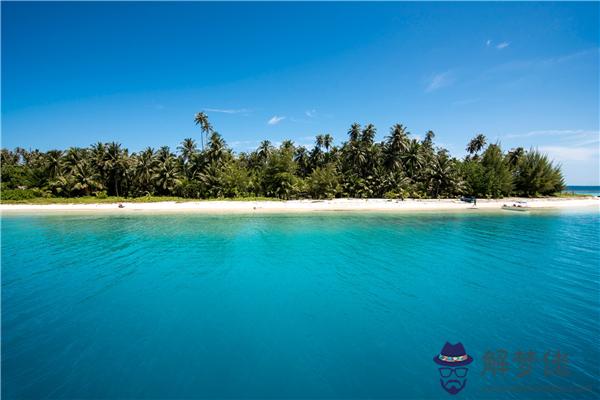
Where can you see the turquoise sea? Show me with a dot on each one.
(300, 306)
(591, 190)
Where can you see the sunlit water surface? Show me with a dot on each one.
(302, 306)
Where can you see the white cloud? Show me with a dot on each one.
(488, 43)
(567, 153)
(502, 45)
(227, 110)
(555, 132)
(244, 145)
(311, 113)
(439, 81)
(275, 120)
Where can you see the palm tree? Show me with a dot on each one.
(319, 142)
(514, 156)
(302, 160)
(396, 145)
(368, 134)
(85, 180)
(264, 150)
(412, 159)
(164, 153)
(354, 133)
(202, 119)
(429, 136)
(54, 163)
(287, 145)
(98, 157)
(144, 170)
(327, 141)
(116, 165)
(187, 149)
(476, 144)
(167, 176)
(444, 179)
(216, 148)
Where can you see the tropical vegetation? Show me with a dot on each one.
(401, 166)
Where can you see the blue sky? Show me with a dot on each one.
(521, 73)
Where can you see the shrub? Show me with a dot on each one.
(20, 194)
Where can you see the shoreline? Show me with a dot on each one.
(299, 206)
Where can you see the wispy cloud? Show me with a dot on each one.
(275, 120)
(555, 132)
(565, 145)
(568, 153)
(311, 113)
(499, 46)
(439, 81)
(244, 145)
(529, 64)
(227, 110)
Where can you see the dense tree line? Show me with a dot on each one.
(401, 166)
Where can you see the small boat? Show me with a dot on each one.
(516, 206)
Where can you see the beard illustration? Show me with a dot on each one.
(453, 386)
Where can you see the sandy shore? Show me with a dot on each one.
(300, 206)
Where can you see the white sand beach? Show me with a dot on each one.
(295, 206)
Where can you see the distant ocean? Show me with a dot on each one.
(593, 190)
(337, 306)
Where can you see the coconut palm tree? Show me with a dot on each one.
(428, 141)
(202, 119)
(476, 144)
(264, 150)
(514, 156)
(287, 145)
(187, 149)
(412, 159)
(167, 176)
(319, 142)
(85, 179)
(396, 144)
(327, 141)
(116, 166)
(54, 163)
(144, 170)
(368, 134)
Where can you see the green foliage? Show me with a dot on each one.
(21, 194)
(497, 178)
(537, 175)
(323, 183)
(399, 167)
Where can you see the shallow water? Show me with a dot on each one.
(302, 306)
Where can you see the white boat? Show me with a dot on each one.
(516, 206)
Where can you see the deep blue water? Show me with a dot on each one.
(592, 190)
(313, 306)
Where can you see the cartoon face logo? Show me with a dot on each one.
(453, 360)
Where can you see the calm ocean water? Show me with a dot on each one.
(593, 190)
(318, 306)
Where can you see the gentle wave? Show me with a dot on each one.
(336, 306)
